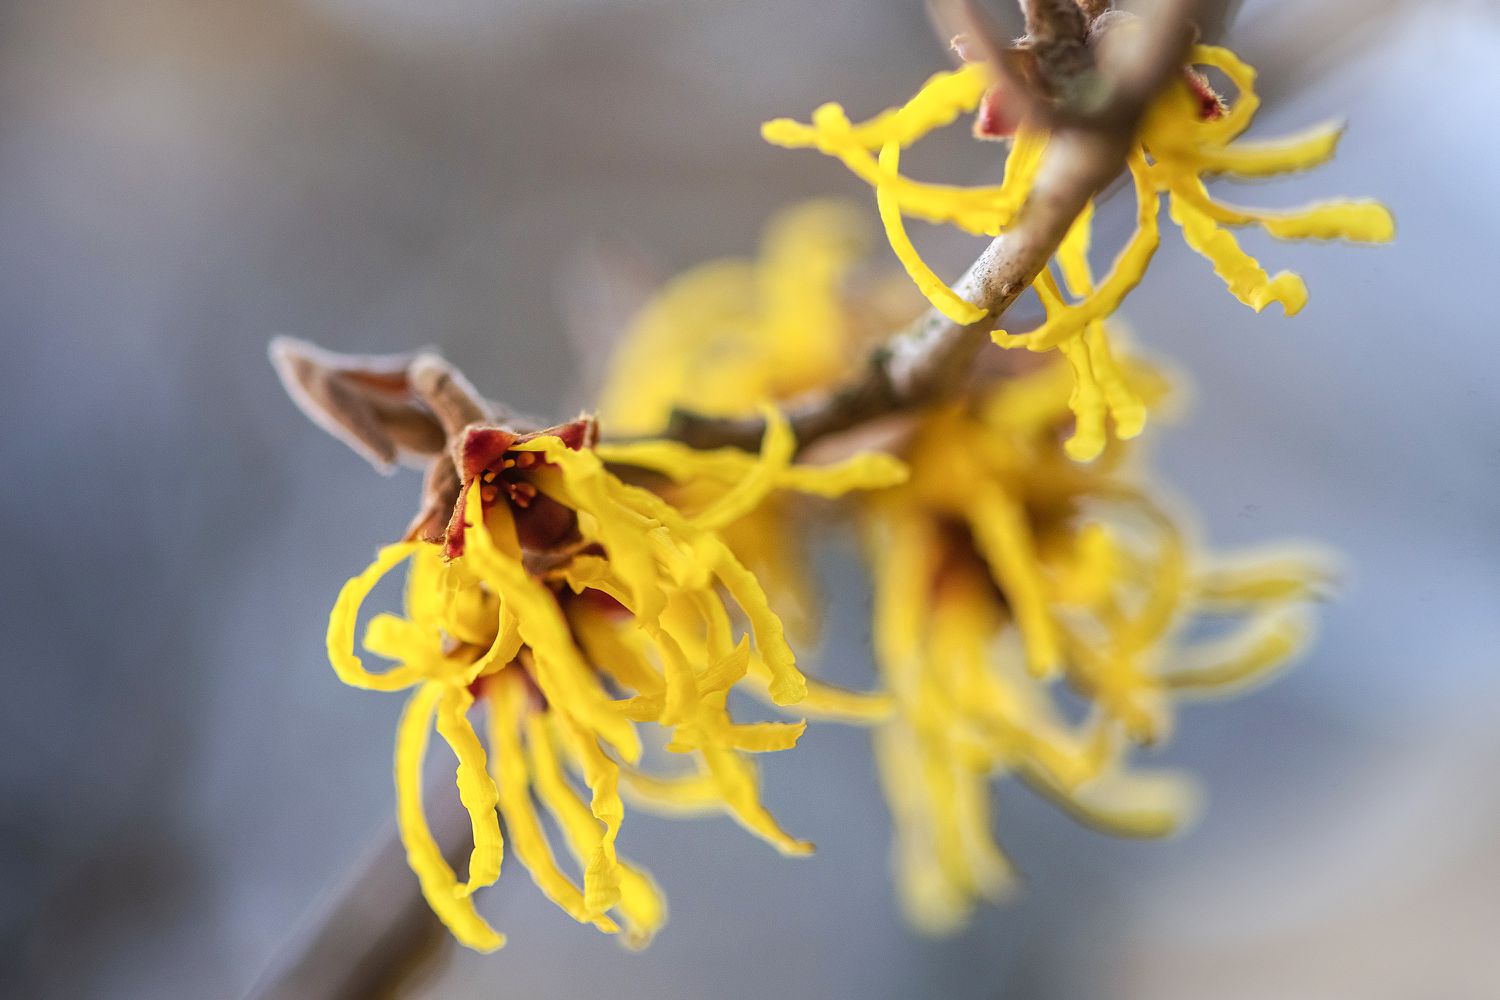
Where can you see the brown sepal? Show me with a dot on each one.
(366, 401)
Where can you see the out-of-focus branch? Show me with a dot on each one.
(373, 934)
(928, 361)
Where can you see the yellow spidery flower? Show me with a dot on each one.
(1003, 569)
(1183, 139)
(576, 606)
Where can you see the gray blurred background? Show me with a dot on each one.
(182, 774)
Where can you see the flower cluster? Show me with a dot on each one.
(1187, 134)
(1005, 572)
(601, 599)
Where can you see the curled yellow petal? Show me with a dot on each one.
(427, 586)
(602, 874)
(343, 619)
(1086, 402)
(1126, 407)
(1247, 581)
(945, 299)
(642, 905)
(681, 694)
(1264, 644)
(579, 826)
(865, 471)
(1241, 273)
(476, 789)
(944, 97)
(506, 645)
(1097, 376)
(871, 470)
(414, 644)
(764, 737)
(622, 529)
(982, 210)
(528, 839)
(1361, 221)
(828, 701)
(1358, 221)
(678, 461)
(939, 101)
(693, 794)
(439, 884)
(1127, 805)
(1242, 109)
(787, 685)
(726, 671)
(640, 902)
(739, 788)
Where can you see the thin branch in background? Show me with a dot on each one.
(372, 934)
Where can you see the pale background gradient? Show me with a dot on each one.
(182, 775)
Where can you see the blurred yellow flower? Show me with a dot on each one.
(1002, 569)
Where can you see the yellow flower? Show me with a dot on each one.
(1003, 570)
(577, 606)
(1182, 139)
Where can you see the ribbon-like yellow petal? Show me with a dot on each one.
(507, 697)
(943, 298)
(342, 621)
(439, 885)
(1264, 644)
(739, 787)
(1240, 272)
(601, 877)
(476, 789)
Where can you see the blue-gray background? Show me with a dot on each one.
(182, 775)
